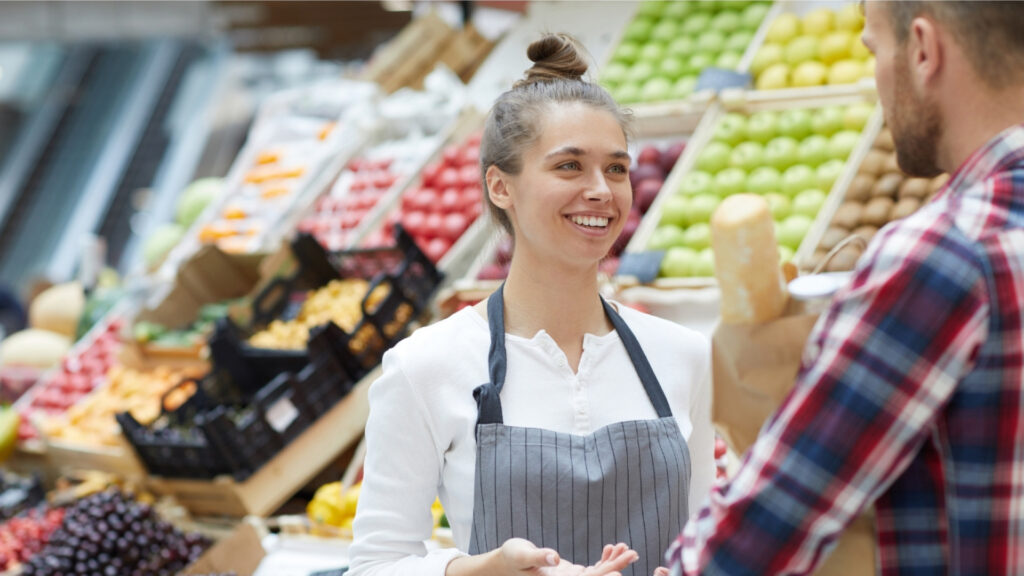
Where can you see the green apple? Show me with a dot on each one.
(774, 77)
(810, 73)
(652, 53)
(780, 205)
(702, 206)
(766, 56)
(763, 126)
(675, 212)
(672, 68)
(835, 47)
(728, 60)
(639, 30)
(664, 31)
(697, 237)
(696, 183)
(858, 50)
(657, 89)
(627, 93)
(753, 15)
(711, 42)
(681, 47)
(813, 150)
(699, 61)
(809, 202)
(797, 179)
(784, 28)
(786, 254)
(677, 10)
(627, 53)
(828, 120)
(651, 9)
(738, 41)
(845, 72)
(640, 72)
(665, 237)
(802, 49)
(747, 156)
(856, 116)
(726, 22)
(679, 262)
(764, 180)
(781, 152)
(795, 123)
(615, 73)
(817, 22)
(828, 173)
(714, 157)
(849, 18)
(731, 129)
(730, 181)
(684, 87)
(842, 143)
(696, 23)
(792, 230)
(704, 264)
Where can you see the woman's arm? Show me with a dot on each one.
(702, 440)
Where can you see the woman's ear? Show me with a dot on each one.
(498, 187)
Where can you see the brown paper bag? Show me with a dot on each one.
(753, 368)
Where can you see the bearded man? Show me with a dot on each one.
(910, 396)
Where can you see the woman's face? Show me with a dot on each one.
(572, 197)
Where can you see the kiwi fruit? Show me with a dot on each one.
(905, 207)
(890, 164)
(845, 259)
(914, 188)
(938, 182)
(884, 141)
(887, 185)
(866, 232)
(860, 188)
(873, 162)
(834, 235)
(848, 215)
(876, 212)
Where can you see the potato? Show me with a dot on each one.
(876, 212)
(884, 141)
(890, 164)
(848, 215)
(887, 185)
(938, 182)
(866, 232)
(834, 235)
(860, 188)
(845, 259)
(905, 207)
(914, 188)
(873, 162)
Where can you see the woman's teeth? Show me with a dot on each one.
(591, 221)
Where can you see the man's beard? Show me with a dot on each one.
(916, 126)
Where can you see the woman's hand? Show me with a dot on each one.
(662, 571)
(519, 557)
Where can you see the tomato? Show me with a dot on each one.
(383, 180)
(431, 172)
(448, 178)
(470, 196)
(359, 183)
(413, 222)
(451, 154)
(470, 156)
(436, 248)
(432, 225)
(450, 201)
(350, 220)
(469, 175)
(454, 225)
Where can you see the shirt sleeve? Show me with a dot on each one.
(702, 440)
(879, 365)
(401, 475)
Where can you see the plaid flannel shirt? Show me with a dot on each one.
(909, 397)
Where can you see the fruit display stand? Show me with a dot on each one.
(672, 57)
(281, 477)
(412, 127)
(299, 140)
(831, 178)
(809, 44)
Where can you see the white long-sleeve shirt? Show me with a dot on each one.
(421, 431)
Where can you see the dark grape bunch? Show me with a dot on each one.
(108, 534)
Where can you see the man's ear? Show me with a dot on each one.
(498, 188)
(927, 45)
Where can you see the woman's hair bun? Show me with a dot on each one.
(555, 57)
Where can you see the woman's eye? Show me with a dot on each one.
(573, 165)
(619, 169)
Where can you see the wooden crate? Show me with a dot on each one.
(66, 457)
(411, 55)
(284, 475)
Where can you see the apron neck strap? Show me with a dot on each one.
(488, 395)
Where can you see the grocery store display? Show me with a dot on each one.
(447, 201)
(58, 309)
(878, 194)
(820, 47)
(33, 348)
(156, 334)
(793, 157)
(24, 536)
(109, 533)
(81, 371)
(18, 493)
(667, 45)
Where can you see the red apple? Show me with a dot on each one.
(671, 155)
(469, 175)
(644, 172)
(431, 172)
(432, 225)
(436, 248)
(453, 226)
(451, 155)
(645, 193)
(413, 222)
(649, 155)
(470, 155)
(448, 178)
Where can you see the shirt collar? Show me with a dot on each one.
(1005, 149)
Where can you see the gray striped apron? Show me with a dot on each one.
(626, 482)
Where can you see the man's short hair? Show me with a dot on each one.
(991, 33)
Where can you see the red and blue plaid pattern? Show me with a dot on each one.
(910, 397)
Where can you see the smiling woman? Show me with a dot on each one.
(593, 427)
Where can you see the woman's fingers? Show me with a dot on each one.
(661, 571)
